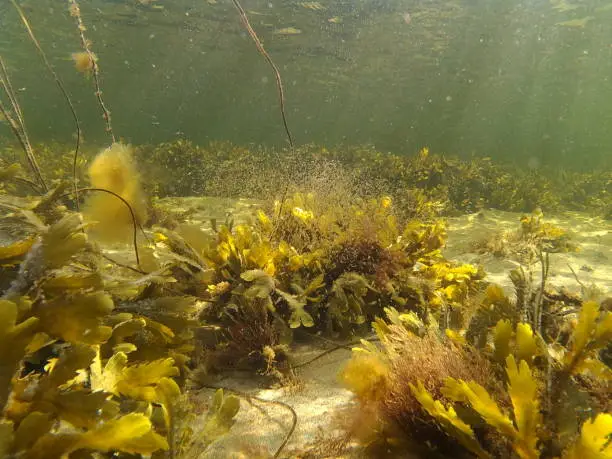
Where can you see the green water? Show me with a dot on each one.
(500, 78)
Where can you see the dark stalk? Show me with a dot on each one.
(75, 12)
(281, 97)
(135, 223)
(277, 75)
(249, 398)
(17, 125)
(64, 92)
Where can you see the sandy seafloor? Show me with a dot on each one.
(318, 399)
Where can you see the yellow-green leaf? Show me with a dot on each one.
(589, 335)
(34, 426)
(523, 391)
(12, 253)
(584, 329)
(6, 438)
(137, 381)
(603, 333)
(447, 417)
(77, 319)
(526, 346)
(596, 368)
(168, 393)
(594, 441)
(63, 240)
(221, 416)
(502, 334)
(478, 397)
(129, 434)
(456, 337)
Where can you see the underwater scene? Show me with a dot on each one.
(256, 229)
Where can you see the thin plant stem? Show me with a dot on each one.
(18, 125)
(135, 223)
(281, 98)
(75, 12)
(25, 181)
(122, 265)
(277, 75)
(582, 286)
(64, 92)
(545, 265)
(10, 92)
(249, 398)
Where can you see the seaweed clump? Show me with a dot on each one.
(422, 184)
(425, 181)
(313, 266)
(92, 361)
(518, 393)
(114, 170)
(534, 234)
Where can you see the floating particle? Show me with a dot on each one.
(84, 61)
(313, 6)
(287, 31)
(576, 23)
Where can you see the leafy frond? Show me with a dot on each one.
(523, 391)
(448, 418)
(592, 332)
(595, 440)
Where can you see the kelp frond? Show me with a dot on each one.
(448, 419)
(595, 440)
(593, 331)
